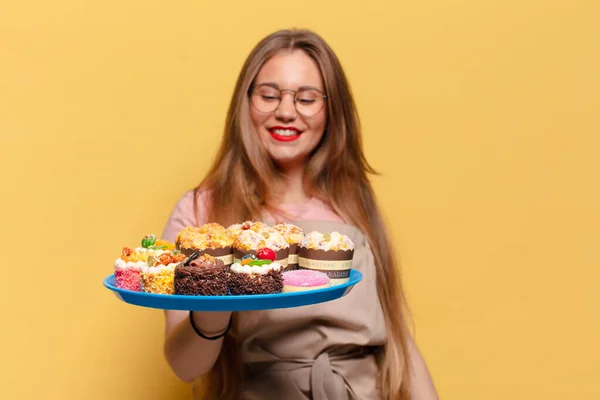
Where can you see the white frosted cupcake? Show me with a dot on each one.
(158, 273)
(128, 267)
(255, 276)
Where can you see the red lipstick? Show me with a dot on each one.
(284, 138)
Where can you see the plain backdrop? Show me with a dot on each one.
(482, 117)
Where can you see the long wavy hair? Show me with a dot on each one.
(336, 173)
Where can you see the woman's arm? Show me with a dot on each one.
(189, 355)
(421, 382)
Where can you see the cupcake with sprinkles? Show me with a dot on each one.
(304, 279)
(158, 274)
(212, 239)
(256, 274)
(127, 270)
(128, 267)
(201, 275)
(250, 241)
(293, 235)
(330, 253)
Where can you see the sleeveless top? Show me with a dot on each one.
(322, 351)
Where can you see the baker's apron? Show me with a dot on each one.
(322, 351)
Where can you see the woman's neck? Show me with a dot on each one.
(292, 186)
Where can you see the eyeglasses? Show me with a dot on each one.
(265, 98)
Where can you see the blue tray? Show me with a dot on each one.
(233, 302)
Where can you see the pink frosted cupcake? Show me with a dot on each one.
(128, 268)
(304, 279)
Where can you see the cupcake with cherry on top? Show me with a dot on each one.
(250, 241)
(256, 274)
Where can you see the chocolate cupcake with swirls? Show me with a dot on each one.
(201, 275)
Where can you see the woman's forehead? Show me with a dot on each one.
(290, 70)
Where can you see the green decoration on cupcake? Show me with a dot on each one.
(260, 262)
(148, 241)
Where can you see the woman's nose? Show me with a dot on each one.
(287, 108)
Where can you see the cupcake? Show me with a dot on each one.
(304, 279)
(293, 235)
(211, 227)
(127, 270)
(249, 242)
(128, 267)
(236, 229)
(331, 253)
(254, 275)
(212, 239)
(158, 273)
(201, 275)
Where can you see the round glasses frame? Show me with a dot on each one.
(275, 105)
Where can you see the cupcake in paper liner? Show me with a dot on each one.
(212, 239)
(293, 235)
(158, 274)
(201, 275)
(250, 242)
(128, 267)
(331, 253)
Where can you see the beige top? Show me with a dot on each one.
(322, 351)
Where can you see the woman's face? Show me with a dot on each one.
(289, 137)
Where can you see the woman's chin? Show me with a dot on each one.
(285, 160)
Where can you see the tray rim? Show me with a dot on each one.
(355, 277)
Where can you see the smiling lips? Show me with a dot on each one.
(284, 134)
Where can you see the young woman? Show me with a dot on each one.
(292, 152)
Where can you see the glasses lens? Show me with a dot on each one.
(309, 102)
(266, 98)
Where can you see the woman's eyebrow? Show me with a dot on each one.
(276, 86)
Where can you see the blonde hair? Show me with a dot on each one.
(336, 173)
